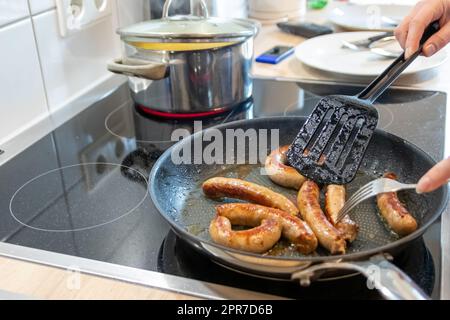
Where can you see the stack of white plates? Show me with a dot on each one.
(273, 11)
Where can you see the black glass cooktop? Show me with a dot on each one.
(82, 189)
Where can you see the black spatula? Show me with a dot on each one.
(331, 144)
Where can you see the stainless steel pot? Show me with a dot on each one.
(194, 64)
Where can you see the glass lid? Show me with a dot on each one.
(191, 27)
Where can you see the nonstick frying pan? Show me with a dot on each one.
(176, 191)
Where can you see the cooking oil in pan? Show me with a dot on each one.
(198, 210)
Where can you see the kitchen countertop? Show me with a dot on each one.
(293, 70)
(31, 280)
(26, 280)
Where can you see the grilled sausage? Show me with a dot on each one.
(394, 212)
(258, 240)
(308, 202)
(293, 228)
(240, 189)
(279, 172)
(334, 201)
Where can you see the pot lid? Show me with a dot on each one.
(191, 27)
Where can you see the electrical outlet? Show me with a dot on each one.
(76, 15)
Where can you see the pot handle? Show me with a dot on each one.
(168, 3)
(381, 274)
(149, 70)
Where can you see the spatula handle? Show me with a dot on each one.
(384, 80)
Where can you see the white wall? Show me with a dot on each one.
(42, 71)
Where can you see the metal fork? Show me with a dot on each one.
(365, 43)
(371, 189)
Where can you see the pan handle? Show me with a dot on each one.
(149, 70)
(384, 80)
(381, 274)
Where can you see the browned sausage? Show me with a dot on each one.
(308, 202)
(395, 213)
(258, 239)
(334, 201)
(279, 172)
(240, 189)
(294, 229)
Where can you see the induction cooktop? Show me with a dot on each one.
(81, 190)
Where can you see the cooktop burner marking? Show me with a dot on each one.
(228, 115)
(386, 116)
(111, 131)
(97, 165)
(296, 103)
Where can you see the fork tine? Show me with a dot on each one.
(364, 193)
(354, 199)
(345, 209)
(352, 205)
(369, 190)
(368, 186)
(360, 195)
(343, 213)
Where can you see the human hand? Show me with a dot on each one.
(435, 177)
(411, 29)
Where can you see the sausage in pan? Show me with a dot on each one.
(394, 212)
(293, 228)
(334, 201)
(308, 202)
(258, 239)
(279, 172)
(240, 189)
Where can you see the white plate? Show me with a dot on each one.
(368, 17)
(325, 53)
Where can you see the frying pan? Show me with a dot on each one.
(176, 191)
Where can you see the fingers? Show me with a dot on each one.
(416, 28)
(410, 31)
(401, 31)
(435, 177)
(437, 41)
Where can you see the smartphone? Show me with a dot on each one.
(275, 55)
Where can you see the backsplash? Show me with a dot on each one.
(42, 71)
